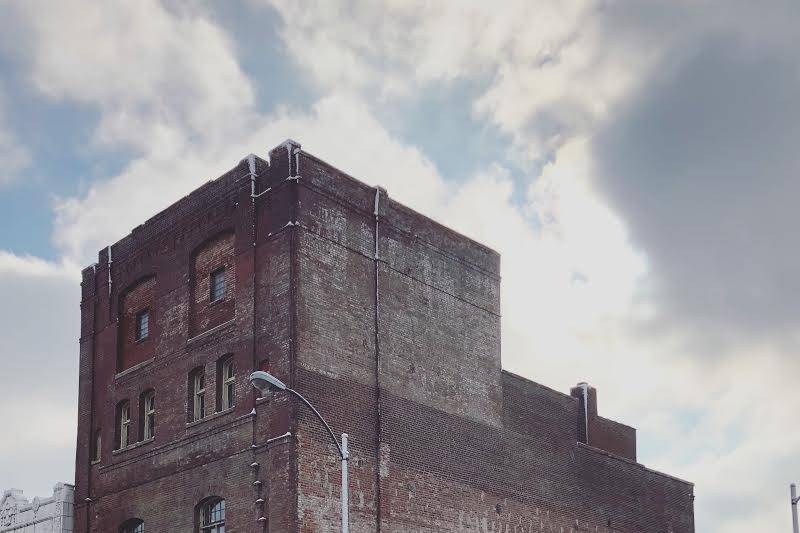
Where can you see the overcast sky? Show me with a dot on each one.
(635, 162)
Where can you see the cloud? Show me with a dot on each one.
(38, 349)
(167, 89)
(543, 72)
(156, 75)
(13, 156)
(702, 164)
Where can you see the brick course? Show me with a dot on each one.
(400, 349)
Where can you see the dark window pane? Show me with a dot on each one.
(142, 325)
(217, 285)
(229, 397)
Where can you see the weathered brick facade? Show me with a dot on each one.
(388, 322)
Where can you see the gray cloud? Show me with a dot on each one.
(702, 162)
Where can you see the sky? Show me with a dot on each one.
(634, 162)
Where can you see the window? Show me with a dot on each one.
(142, 324)
(148, 415)
(134, 525)
(217, 285)
(226, 379)
(212, 516)
(97, 445)
(123, 424)
(197, 380)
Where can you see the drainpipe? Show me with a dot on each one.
(378, 414)
(251, 164)
(109, 275)
(260, 500)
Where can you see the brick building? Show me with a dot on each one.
(387, 321)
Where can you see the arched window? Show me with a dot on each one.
(212, 516)
(123, 430)
(147, 415)
(134, 525)
(137, 326)
(226, 381)
(212, 283)
(197, 394)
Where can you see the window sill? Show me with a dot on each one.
(133, 446)
(95, 462)
(210, 331)
(212, 416)
(216, 302)
(133, 369)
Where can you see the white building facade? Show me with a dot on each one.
(40, 515)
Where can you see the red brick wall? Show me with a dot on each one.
(613, 437)
(212, 255)
(460, 445)
(441, 438)
(163, 480)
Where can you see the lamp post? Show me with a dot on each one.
(795, 499)
(264, 382)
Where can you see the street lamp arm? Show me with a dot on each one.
(342, 453)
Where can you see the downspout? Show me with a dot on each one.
(378, 413)
(260, 500)
(109, 278)
(293, 330)
(585, 390)
(92, 443)
(251, 164)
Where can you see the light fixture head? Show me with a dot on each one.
(265, 382)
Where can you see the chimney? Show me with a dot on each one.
(587, 408)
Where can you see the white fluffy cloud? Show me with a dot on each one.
(156, 75)
(545, 71)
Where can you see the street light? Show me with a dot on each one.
(264, 382)
(795, 499)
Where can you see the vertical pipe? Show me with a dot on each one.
(378, 414)
(109, 276)
(345, 486)
(92, 406)
(793, 492)
(262, 492)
